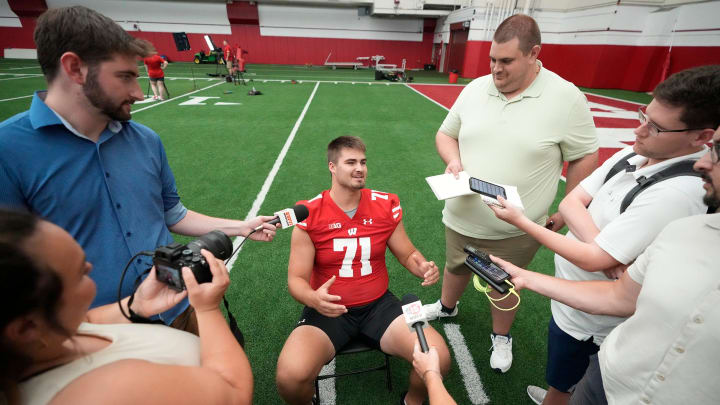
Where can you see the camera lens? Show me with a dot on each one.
(216, 242)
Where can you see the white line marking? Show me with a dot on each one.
(26, 67)
(271, 176)
(473, 385)
(173, 99)
(15, 98)
(22, 77)
(418, 92)
(327, 386)
(612, 98)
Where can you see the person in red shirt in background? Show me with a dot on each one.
(155, 64)
(239, 60)
(337, 270)
(228, 56)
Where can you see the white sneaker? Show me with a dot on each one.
(501, 357)
(536, 393)
(434, 311)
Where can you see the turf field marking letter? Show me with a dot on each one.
(197, 100)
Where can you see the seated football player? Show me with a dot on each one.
(337, 270)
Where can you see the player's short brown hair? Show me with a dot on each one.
(339, 143)
(92, 36)
(520, 26)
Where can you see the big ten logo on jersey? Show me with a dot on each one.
(335, 225)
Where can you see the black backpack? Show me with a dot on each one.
(682, 168)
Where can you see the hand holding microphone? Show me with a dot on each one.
(415, 318)
(282, 219)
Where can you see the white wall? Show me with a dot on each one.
(159, 16)
(692, 24)
(327, 22)
(7, 17)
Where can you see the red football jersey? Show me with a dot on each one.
(154, 66)
(353, 249)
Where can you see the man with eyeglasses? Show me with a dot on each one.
(603, 238)
(666, 351)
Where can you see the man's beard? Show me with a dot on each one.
(711, 198)
(99, 99)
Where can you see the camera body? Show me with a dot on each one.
(169, 260)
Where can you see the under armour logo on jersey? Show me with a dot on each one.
(336, 225)
(352, 231)
(367, 221)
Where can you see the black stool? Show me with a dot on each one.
(356, 345)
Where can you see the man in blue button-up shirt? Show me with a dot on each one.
(76, 159)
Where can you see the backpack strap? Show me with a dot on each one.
(621, 165)
(683, 168)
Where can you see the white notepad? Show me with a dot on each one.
(446, 186)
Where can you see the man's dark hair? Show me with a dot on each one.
(520, 26)
(339, 143)
(697, 92)
(92, 36)
(26, 286)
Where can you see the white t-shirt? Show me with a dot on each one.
(668, 352)
(624, 236)
(521, 142)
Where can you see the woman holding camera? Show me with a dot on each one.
(53, 350)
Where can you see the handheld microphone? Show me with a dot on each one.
(415, 318)
(289, 217)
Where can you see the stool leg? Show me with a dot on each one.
(387, 373)
(317, 392)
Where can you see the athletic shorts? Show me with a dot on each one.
(228, 64)
(367, 321)
(157, 79)
(518, 250)
(568, 358)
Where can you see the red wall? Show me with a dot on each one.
(22, 37)
(637, 68)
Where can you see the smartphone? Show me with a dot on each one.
(487, 189)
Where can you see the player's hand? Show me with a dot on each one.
(555, 222)
(507, 211)
(454, 166)
(153, 297)
(267, 233)
(515, 272)
(614, 273)
(206, 296)
(324, 302)
(425, 363)
(427, 270)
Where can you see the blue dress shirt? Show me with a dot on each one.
(116, 197)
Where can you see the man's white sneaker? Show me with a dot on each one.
(434, 311)
(501, 357)
(536, 393)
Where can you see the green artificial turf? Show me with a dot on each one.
(221, 156)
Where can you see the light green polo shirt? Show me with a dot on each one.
(521, 142)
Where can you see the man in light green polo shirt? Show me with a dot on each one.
(515, 126)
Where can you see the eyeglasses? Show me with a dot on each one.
(714, 152)
(653, 128)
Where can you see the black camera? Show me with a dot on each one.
(169, 260)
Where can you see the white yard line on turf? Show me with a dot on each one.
(15, 98)
(26, 67)
(21, 77)
(418, 92)
(471, 378)
(171, 99)
(271, 176)
(327, 386)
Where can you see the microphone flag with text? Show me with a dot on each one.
(289, 217)
(415, 318)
